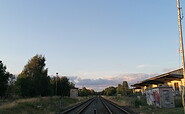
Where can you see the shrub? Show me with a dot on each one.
(136, 102)
(178, 101)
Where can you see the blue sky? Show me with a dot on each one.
(91, 39)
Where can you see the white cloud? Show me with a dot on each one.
(95, 75)
(101, 83)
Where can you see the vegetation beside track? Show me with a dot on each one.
(40, 105)
(140, 106)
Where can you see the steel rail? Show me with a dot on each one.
(83, 108)
(77, 106)
(115, 105)
(105, 105)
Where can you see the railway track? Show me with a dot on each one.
(97, 105)
(114, 108)
(79, 108)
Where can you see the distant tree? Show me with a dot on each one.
(72, 85)
(33, 80)
(126, 90)
(4, 76)
(125, 85)
(83, 92)
(102, 92)
(92, 92)
(12, 88)
(119, 89)
(110, 91)
(86, 92)
(64, 86)
(61, 86)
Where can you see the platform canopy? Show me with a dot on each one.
(161, 79)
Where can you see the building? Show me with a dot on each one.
(74, 92)
(172, 79)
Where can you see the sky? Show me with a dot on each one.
(95, 43)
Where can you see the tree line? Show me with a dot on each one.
(86, 92)
(33, 81)
(122, 90)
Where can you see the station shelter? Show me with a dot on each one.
(160, 90)
(172, 79)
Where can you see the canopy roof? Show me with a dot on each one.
(161, 79)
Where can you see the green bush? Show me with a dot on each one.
(136, 102)
(178, 101)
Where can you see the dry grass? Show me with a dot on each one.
(40, 105)
(143, 108)
(16, 102)
(122, 101)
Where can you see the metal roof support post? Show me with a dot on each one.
(181, 48)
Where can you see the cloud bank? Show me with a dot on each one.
(101, 83)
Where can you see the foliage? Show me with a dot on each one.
(178, 101)
(125, 85)
(33, 80)
(71, 85)
(110, 91)
(4, 76)
(64, 86)
(121, 89)
(61, 86)
(136, 102)
(86, 92)
(11, 90)
(140, 106)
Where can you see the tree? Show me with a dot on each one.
(4, 76)
(11, 90)
(64, 86)
(84, 92)
(110, 91)
(72, 85)
(126, 90)
(61, 86)
(125, 85)
(92, 92)
(119, 89)
(33, 80)
(25, 86)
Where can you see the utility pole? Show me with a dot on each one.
(181, 49)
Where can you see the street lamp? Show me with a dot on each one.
(56, 82)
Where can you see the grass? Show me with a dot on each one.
(153, 110)
(51, 105)
(140, 106)
(41, 105)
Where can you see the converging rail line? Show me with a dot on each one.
(79, 108)
(114, 108)
(97, 105)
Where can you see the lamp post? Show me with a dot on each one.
(56, 82)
